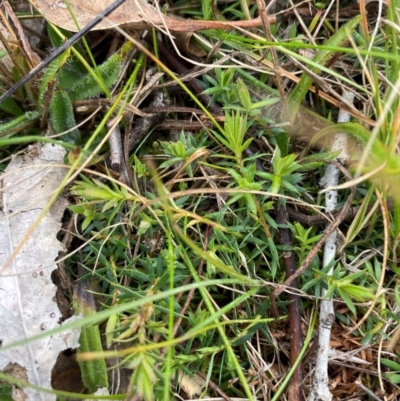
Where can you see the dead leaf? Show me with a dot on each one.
(27, 301)
(17, 372)
(100, 391)
(133, 14)
(188, 46)
(191, 385)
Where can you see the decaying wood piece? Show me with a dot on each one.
(133, 14)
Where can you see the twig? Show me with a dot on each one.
(115, 141)
(332, 227)
(289, 260)
(320, 390)
(367, 390)
(320, 219)
(144, 125)
(215, 387)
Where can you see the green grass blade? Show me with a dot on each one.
(94, 371)
(321, 57)
(18, 124)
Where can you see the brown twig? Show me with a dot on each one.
(320, 219)
(184, 125)
(216, 388)
(143, 125)
(332, 227)
(289, 261)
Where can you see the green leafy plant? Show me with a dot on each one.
(347, 290)
(222, 88)
(247, 106)
(233, 137)
(185, 263)
(284, 177)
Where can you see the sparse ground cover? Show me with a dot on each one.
(233, 220)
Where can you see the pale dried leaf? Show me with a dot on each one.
(191, 385)
(100, 391)
(27, 304)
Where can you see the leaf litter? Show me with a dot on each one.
(27, 302)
